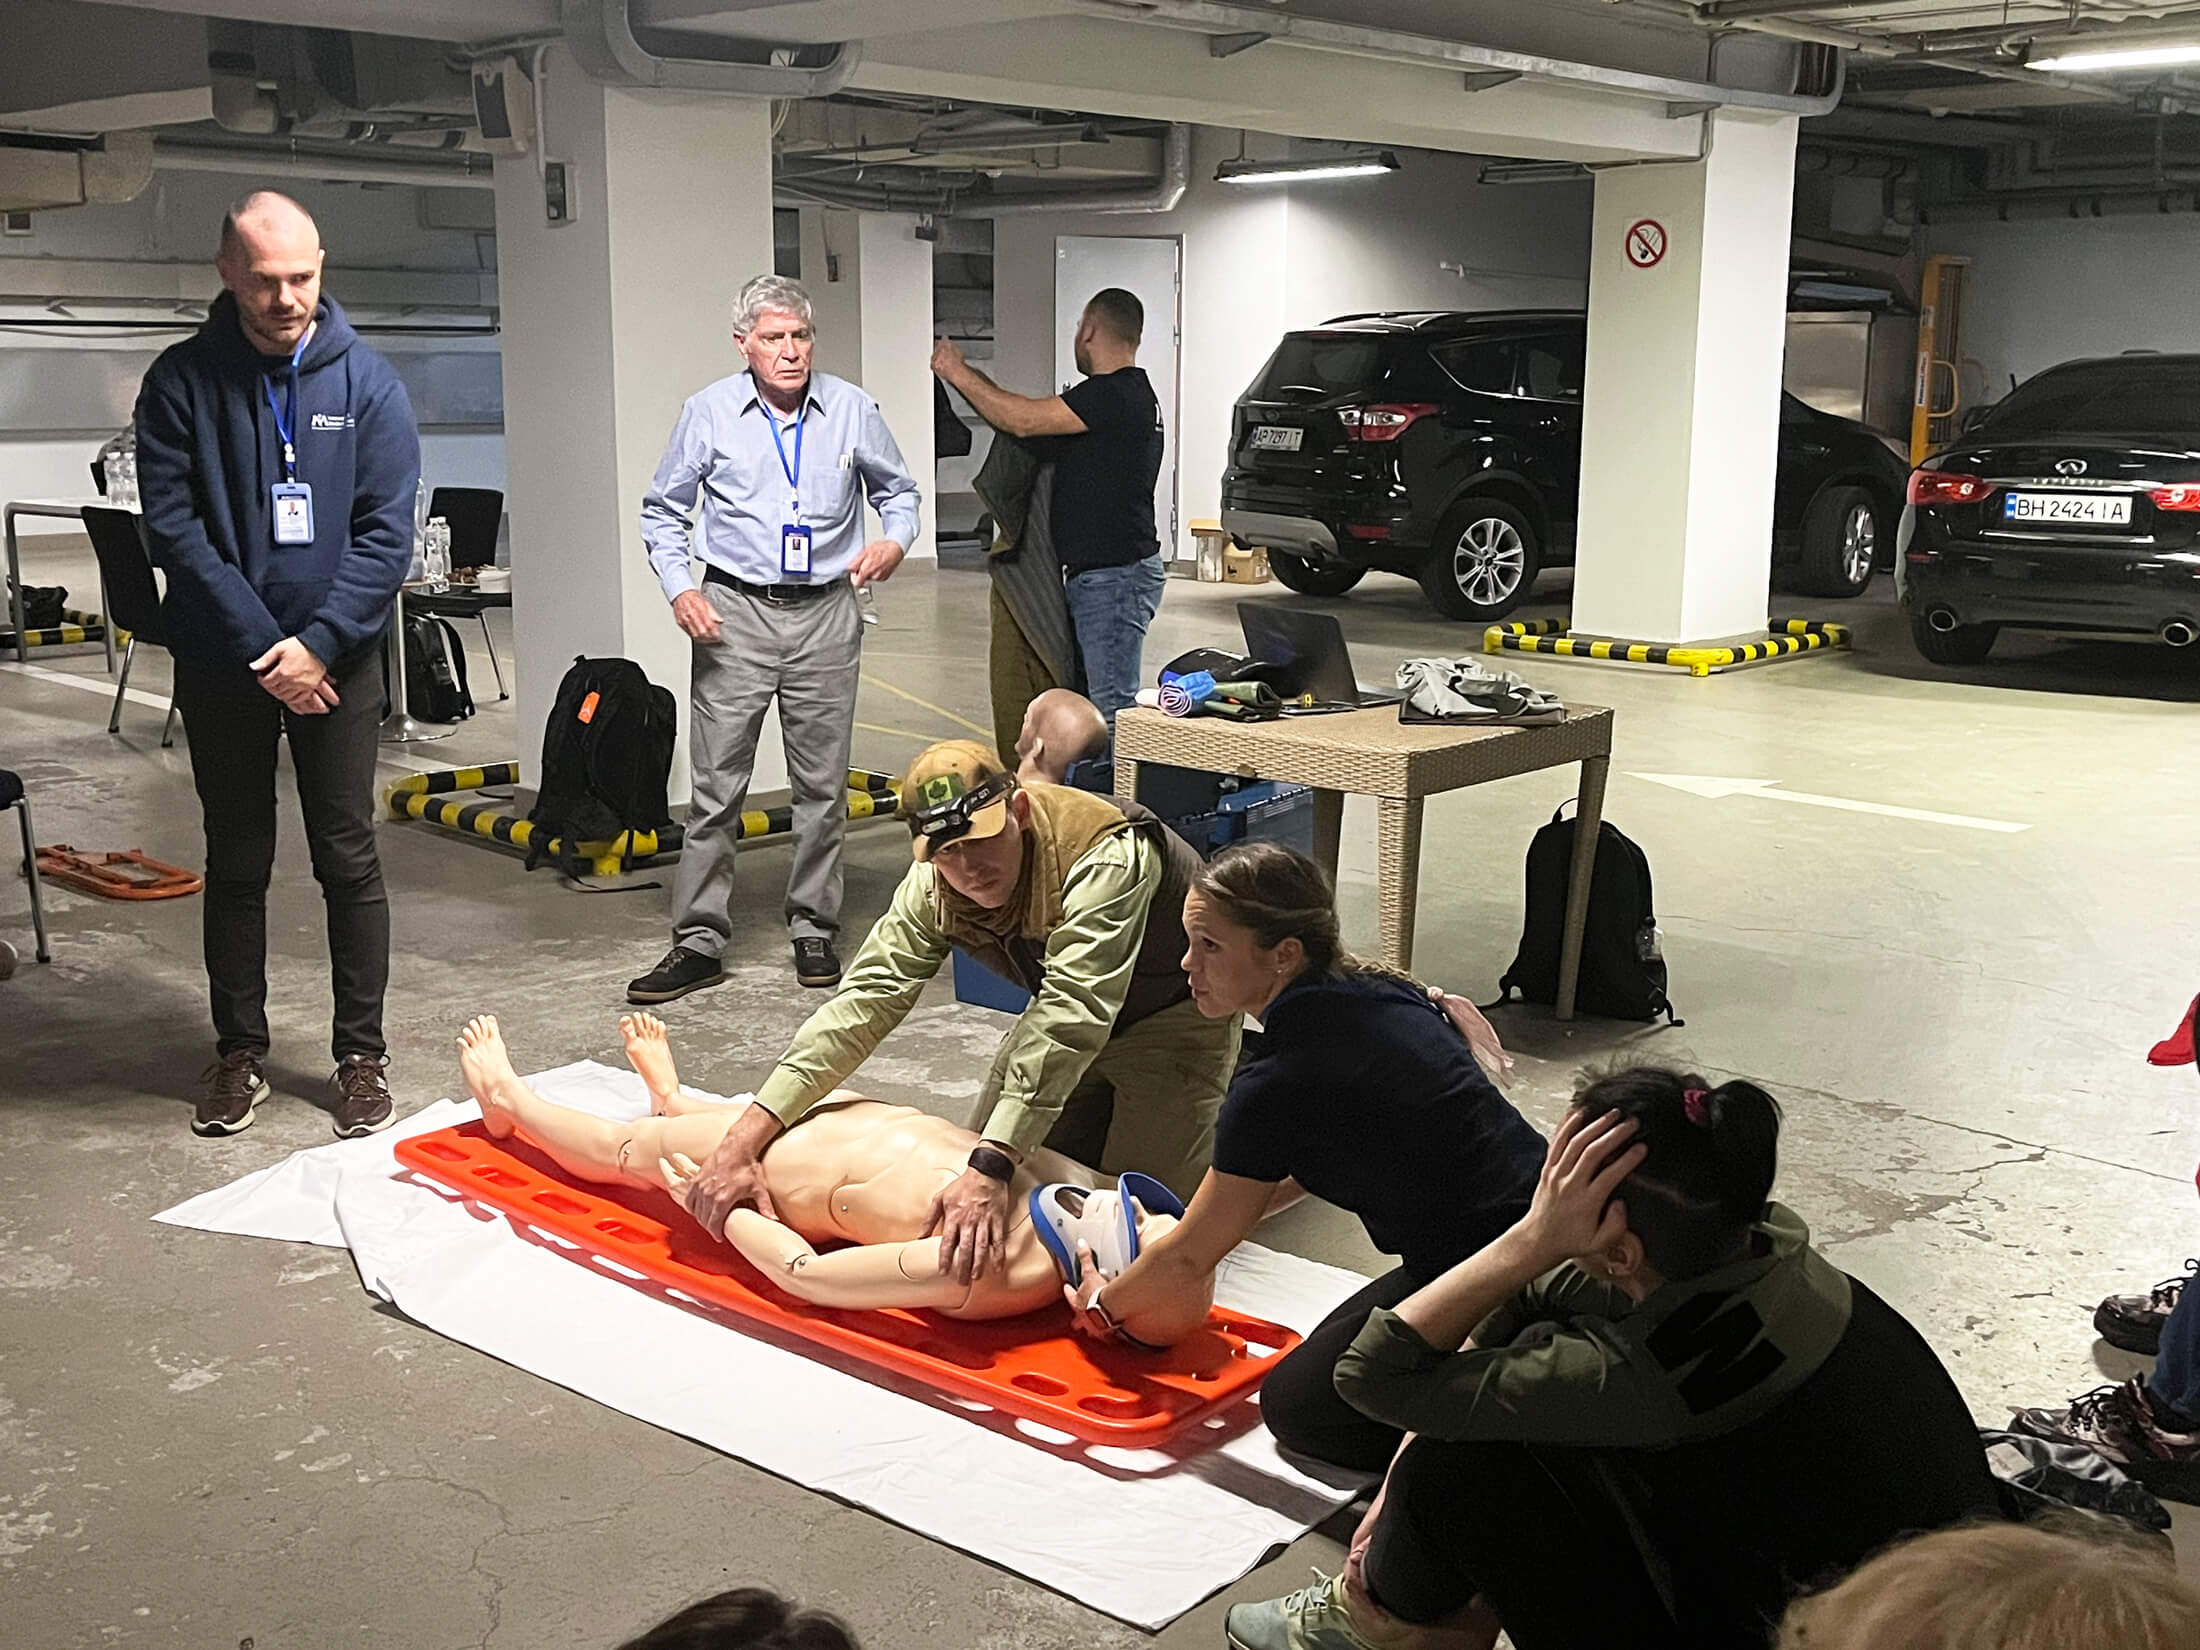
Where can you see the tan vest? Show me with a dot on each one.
(1065, 826)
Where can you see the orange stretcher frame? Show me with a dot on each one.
(123, 873)
(1036, 1366)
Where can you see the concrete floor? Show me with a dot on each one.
(210, 1441)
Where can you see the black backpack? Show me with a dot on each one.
(1622, 973)
(606, 760)
(435, 670)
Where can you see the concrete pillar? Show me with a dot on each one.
(610, 321)
(1680, 429)
(870, 282)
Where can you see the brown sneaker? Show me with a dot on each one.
(366, 1107)
(234, 1086)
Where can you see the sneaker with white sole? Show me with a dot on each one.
(235, 1087)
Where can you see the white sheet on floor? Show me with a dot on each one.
(1140, 1535)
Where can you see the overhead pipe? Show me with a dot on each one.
(2049, 204)
(1160, 195)
(601, 35)
(1218, 17)
(176, 154)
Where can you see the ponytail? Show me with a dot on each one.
(1710, 1156)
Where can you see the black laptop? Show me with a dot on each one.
(1308, 653)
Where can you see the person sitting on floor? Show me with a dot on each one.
(1061, 729)
(1360, 1090)
(857, 1173)
(1643, 1415)
(746, 1618)
(2003, 1587)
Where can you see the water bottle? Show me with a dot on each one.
(110, 464)
(129, 478)
(418, 569)
(437, 554)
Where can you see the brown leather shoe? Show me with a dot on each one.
(234, 1086)
(366, 1107)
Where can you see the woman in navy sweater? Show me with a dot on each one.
(1361, 1091)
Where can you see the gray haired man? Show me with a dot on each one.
(782, 459)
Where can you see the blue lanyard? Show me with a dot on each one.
(793, 472)
(286, 423)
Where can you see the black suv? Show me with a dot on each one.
(2071, 506)
(1447, 447)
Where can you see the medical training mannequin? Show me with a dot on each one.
(857, 1172)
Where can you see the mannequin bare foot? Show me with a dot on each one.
(649, 1052)
(490, 1077)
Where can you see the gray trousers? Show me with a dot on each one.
(807, 655)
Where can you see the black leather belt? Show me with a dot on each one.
(780, 595)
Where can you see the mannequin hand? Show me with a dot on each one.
(1083, 1293)
(1574, 1211)
(289, 671)
(732, 1179)
(877, 563)
(971, 1218)
(692, 612)
(947, 358)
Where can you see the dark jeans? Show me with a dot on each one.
(234, 725)
(1299, 1399)
(2176, 1377)
(1530, 1530)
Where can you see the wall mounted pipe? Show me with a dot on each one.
(183, 155)
(601, 35)
(1216, 17)
(1161, 195)
(2076, 204)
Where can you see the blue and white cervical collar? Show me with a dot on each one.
(1106, 1222)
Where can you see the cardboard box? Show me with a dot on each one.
(1245, 566)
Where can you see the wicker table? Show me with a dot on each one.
(1369, 753)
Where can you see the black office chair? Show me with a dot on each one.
(474, 514)
(12, 795)
(131, 596)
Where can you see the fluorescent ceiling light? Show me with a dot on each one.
(1303, 171)
(2081, 59)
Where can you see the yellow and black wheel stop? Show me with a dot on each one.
(74, 627)
(431, 799)
(1785, 639)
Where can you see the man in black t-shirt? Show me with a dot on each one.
(1106, 453)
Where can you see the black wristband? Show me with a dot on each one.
(993, 1164)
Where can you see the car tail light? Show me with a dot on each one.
(2184, 498)
(1947, 487)
(1386, 421)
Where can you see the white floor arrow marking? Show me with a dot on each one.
(1767, 789)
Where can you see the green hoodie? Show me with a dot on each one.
(1571, 1360)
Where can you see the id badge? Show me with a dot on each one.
(293, 512)
(794, 550)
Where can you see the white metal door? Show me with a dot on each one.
(1149, 268)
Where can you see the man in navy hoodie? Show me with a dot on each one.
(277, 461)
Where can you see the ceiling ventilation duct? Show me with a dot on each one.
(602, 35)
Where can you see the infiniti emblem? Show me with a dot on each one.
(2070, 466)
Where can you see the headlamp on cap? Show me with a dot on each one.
(943, 808)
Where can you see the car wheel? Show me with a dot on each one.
(1967, 644)
(1841, 539)
(1484, 561)
(1310, 578)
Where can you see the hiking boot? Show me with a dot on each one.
(362, 1080)
(678, 972)
(2133, 1428)
(815, 961)
(2134, 1322)
(234, 1087)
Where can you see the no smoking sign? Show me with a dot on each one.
(1646, 243)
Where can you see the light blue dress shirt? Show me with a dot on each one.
(722, 453)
